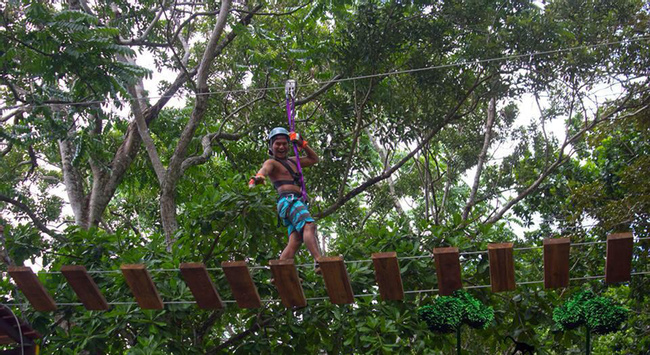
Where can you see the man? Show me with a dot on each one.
(283, 172)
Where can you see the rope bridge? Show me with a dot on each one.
(618, 268)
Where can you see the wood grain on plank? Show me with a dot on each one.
(618, 265)
(287, 282)
(241, 284)
(502, 267)
(198, 280)
(336, 279)
(447, 269)
(388, 276)
(32, 288)
(142, 286)
(556, 262)
(85, 287)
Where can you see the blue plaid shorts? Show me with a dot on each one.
(293, 213)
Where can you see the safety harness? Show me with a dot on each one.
(296, 181)
(296, 176)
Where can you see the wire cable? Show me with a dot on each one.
(354, 78)
(270, 300)
(266, 267)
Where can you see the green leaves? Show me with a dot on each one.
(600, 314)
(448, 313)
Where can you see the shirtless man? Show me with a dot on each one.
(282, 170)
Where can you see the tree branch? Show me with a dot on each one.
(4, 253)
(274, 13)
(143, 130)
(7, 149)
(318, 92)
(391, 184)
(491, 114)
(210, 50)
(237, 337)
(355, 138)
(140, 40)
(206, 142)
(10, 115)
(28, 211)
(451, 115)
(561, 158)
(17, 97)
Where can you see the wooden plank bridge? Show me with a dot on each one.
(335, 276)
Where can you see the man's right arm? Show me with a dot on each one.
(261, 175)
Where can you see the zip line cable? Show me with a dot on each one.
(431, 290)
(360, 77)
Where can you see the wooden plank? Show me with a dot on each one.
(85, 287)
(7, 316)
(241, 284)
(197, 279)
(32, 288)
(10, 329)
(388, 276)
(288, 284)
(556, 262)
(26, 350)
(448, 270)
(336, 279)
(502, 267)
(618, 265)
(141, 285)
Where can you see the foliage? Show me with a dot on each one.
(600, 314)
(444, 316)
(453, 58)
(448, 313)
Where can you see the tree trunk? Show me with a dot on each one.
(168, 214)
(73, 186)
(4, 254)
(174, 171)
(445, 193)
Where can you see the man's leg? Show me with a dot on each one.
(309, 235)
(292, 247)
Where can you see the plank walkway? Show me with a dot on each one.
(335, 277)
(10, 334)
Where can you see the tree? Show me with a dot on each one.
(422, 113)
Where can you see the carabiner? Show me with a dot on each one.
(290, 88)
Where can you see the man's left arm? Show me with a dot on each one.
(311, 158)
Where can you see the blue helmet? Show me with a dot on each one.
(276, 132)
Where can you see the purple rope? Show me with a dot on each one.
(291, 113)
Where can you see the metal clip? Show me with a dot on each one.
(290, 88)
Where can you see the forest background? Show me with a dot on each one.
(427, 156)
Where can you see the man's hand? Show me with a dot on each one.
(256, 180)
(297, 139)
